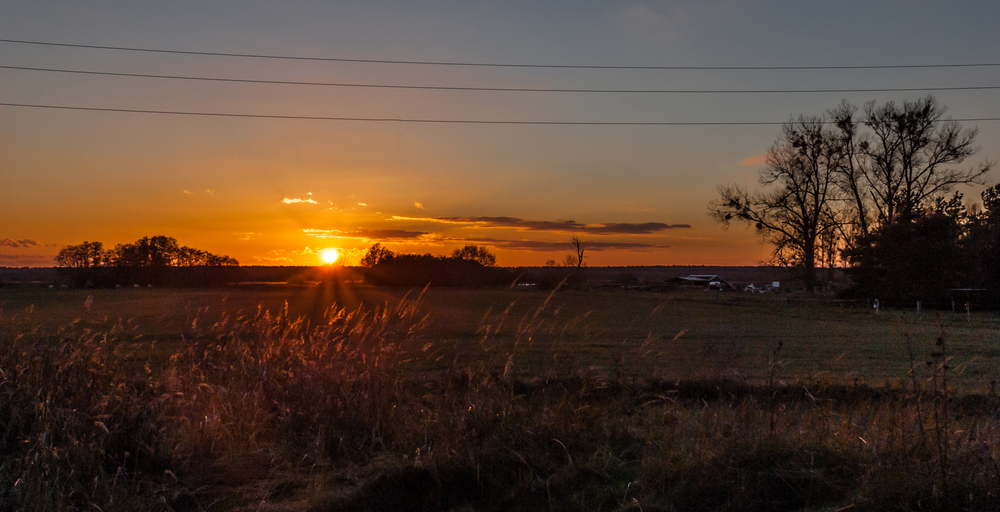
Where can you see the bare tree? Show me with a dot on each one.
(579, 247)
(796, 213)
(850, 175)
(834, 182)
(910, 155)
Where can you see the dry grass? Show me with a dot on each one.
(370, 408)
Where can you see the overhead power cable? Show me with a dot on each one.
(425, 121)
(495, 89)
(489, 64)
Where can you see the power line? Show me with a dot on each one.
(490, 64)
(424, 121)
(495, 89)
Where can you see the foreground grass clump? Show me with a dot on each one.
(363, 410)
(80, 420)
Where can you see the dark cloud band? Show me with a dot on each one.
(23, 243)
(568, 226)
(540, 246)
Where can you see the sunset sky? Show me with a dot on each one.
(393, 164)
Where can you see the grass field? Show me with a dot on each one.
(677, 335)
(356, 398)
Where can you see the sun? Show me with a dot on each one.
(329, 256)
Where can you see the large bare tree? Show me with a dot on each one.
(909, 155)
(834, 182)
(795, 212)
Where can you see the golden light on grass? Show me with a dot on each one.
(329, 256)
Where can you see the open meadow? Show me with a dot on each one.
(678, 335)
(346, 397)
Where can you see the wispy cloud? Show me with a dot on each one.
(368, 234)
(754, 160)
(275, 256)
(560, 226)
(26, 260)
(297, 200)
(418, 204)
(24, 243)
(543, 246)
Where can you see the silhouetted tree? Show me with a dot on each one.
(910, 156)
(153, 260)
(838, 182)
(85, 255)
(481, 255)
(797, 213)
(375, 255)
(911, 259)
(981, 246)
(418, 270)
(579, 248)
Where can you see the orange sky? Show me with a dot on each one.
(278, 191)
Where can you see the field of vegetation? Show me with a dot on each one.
(341, 397)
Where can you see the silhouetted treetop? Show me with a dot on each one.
(481, 255)
(147, 252)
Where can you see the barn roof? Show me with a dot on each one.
(701, 280)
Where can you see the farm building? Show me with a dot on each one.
(712, 282)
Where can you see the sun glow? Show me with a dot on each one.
(329, 256)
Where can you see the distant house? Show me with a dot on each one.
(711, 282)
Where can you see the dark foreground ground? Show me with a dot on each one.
(355, 398)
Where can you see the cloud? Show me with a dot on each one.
(322, 233)
(368, 234)
(560, 226)
(754, 160)
(27, 260)
(418, 204)
(23, 243)
(542, 246)
(275, 256)
(386, 234)
(297, 200)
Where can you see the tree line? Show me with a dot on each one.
(157, 260)
(872, 190)
(468, 266)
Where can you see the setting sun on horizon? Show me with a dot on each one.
(330, 256)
